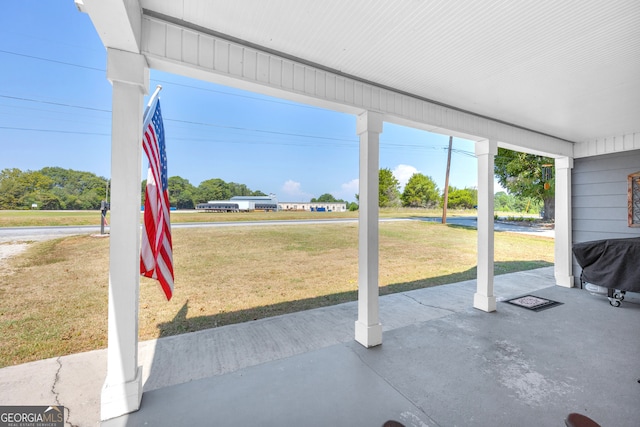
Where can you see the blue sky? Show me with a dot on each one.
(55, 110)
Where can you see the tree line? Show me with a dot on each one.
(55, 188)
(184, 195)
(529, 180)
(421, 191)
(51, 188)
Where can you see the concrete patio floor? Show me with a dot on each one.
(442, 363)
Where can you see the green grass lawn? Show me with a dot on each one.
(53, 297)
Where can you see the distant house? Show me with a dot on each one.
(313, 206)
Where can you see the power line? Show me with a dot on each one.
(275, 101)
(60, 104)
(183, 121)
(238, 128)
(13, 110)
(54, 131)
(201, 89)
(51, 60)
(227, 141)
(255, 142)
(261, 130)
(463, 152)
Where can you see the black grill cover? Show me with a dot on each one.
(612, 263)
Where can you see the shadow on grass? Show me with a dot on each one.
(181, 323)
(463, 227)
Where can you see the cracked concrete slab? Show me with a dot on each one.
(79, 385)
(214, 353)
(29, 383)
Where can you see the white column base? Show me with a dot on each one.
(120, 399)
(565, 281)
(368, 336)
(484, 303)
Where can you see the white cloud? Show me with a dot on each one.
(292, 191)
(403, 173)
(348, 190)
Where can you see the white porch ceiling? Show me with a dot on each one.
(569, 69)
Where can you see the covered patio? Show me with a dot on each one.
(442, 363)
(550, 78)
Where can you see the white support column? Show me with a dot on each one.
(484, 298)
(368, 327)
(122, 390)
(563, 266)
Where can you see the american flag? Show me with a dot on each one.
(156, 252)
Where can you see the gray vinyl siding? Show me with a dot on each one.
(599, 198)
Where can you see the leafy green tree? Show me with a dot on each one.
(503, 202)
(242, 190)
(527, 205)
(35, 181)
(353, 206)
(522, 175)
(509, 203)
(326, 198)
(212, 189)
(388, 189)
(75, 182)
(465, 198)
(421, 191)
(236, 189)
(35, 187)
(143, 187)
(19, 190)
(58, 188)
(11, 189)
(49, 201)
(181, 193)
(76, 189)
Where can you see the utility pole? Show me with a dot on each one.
(446, 184)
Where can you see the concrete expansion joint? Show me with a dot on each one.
(429, 306)
(390, 384)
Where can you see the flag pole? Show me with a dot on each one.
(151, 100)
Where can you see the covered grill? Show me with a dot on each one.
(611, 263)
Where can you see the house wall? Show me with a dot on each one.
(306, 206)
(599, 198)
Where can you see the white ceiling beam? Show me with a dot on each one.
(118, 22)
